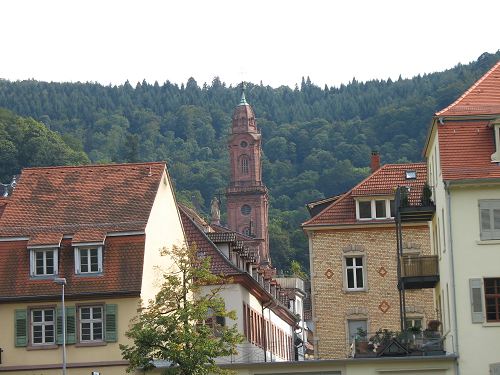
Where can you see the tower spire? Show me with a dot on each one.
(247, 198)
(243, 100)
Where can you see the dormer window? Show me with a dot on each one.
(43, 262)
(374, 209)
(88, 259)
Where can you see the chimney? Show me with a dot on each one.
(375, 161)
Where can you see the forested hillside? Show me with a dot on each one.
(317, 141)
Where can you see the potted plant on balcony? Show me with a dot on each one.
(361, 341)
(426, 195)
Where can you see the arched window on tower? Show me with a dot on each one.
(244, 164)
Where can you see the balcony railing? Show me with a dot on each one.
(291, 283)
(415, 206)
(397, 344)
(419, 271)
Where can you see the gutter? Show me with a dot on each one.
(452, 266)
(472, 181)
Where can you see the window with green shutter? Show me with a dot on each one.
(111, 323)
(21, 327)
(489, 219)
(70, 325)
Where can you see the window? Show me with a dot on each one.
(43, 262)
(42, 327)
(489, 217)
(380, 209)
(375, 209)
(91, 324)
(354, 273)
(411, 175)
(492, 299)
(88, 260)
(244, 164)
(414, 323)
(365, 210)
(355, 327)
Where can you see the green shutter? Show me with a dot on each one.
(70, 325)
(21, 324)
(476, 300)
(111, 323)
(59, 326)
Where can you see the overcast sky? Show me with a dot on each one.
(273, 41)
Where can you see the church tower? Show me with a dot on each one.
(247, 198)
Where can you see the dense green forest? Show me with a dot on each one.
(316, 141)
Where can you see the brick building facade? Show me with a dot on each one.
(353, 257)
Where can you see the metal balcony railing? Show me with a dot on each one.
(419, 265)
(395, 344)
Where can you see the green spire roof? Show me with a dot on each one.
(243, 100)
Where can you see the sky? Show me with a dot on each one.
(273, 41)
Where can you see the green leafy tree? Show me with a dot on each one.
(181, 324)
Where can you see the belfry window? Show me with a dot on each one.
(244, 164)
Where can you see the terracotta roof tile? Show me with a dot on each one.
(465, 150)
(67, 200)
(482, 98)
(45, 239)
(382, 182)
(196, 236)
(222, 237)
(3, 204)
(118, 276)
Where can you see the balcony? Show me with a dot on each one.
(418, 272)
(416, 205)
(384, 343)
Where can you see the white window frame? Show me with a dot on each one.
(354, 267)
(490, 205)
(348, 331)
(78, 265)
(92, 322)
(374, 208)
(43, 324)
(44, 250)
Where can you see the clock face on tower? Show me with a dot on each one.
(243, 144)
(246, 209)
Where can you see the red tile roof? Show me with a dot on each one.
(382, 182)
(483, 98)
(121, 276)
(196, 236)
(465, 149)
(85, 201)
(3, 204)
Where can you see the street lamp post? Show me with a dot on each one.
(62, 281)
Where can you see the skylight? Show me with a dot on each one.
(411, 175)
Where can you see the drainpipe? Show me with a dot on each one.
(452, 267)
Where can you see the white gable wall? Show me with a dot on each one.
(163, 230)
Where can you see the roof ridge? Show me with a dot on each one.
(95, 165)
(466, 93)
